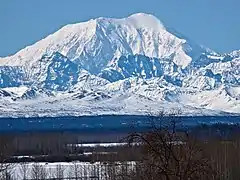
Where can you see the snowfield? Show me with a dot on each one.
(65, 170)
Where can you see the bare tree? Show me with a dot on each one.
(168, 153)
(5, 154)
(24, 170)
(6, 174)
(75, 171)
(38, 172)
(59, 174)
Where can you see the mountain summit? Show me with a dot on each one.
(95, 43)
(127, 65)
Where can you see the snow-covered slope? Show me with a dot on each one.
(138, 66)
(55, 72)
(94, 43)
(223, 98)
(12, 76)
(131, 65)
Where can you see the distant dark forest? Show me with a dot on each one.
(165, 151)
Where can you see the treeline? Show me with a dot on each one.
(59, 147)
(166, 152)
(74, 170)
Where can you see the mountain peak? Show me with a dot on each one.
(90, 66)
(141, 14)
(93, 44)
(141, 20)
(138, 20)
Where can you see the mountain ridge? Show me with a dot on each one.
(123, 61)
(82, 39)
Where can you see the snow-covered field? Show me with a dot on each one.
(71, 170)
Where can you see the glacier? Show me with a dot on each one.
(133, 65)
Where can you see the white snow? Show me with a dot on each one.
(96, 45)
(19, 91)
(73, 170)
(138, 99)
(215, 57)
(218, 99)
(143, 20)
(103, 38)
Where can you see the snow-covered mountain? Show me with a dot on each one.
(130, 65)
(94, 43)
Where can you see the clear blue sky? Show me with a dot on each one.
(213, 23)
